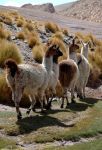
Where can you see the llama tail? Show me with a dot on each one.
(11, 65)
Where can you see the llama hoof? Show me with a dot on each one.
(61, 106)
(43, 112)
(33, 109)
(28, 112)
(47, 107)
(19, 117)
(67, 106)
(73, 101)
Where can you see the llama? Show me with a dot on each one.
(84, 69)
(54, 77)
(68, 75)
(32, 78)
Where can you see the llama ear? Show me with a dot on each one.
(82, 42)
(89, 44)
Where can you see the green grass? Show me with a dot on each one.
(8, 144)
(93, 145)
(83, 119)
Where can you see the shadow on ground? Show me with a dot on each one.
(33, 123)
(90, 101)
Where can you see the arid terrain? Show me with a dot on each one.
(83, 10)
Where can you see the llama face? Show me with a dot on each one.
(52, 50)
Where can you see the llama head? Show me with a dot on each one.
(73, 48)
(11, 66)
(57, 55)
(52, 50)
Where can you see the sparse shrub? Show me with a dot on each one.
(58, 35)
(32, 41)
(52, 27)
(4, 34)
(9, 50)
(21, 35)
(38, 52)
(20, 23)
(8, 21)
(65, 31)
(5, 92)
(80, 35)
(28, 26)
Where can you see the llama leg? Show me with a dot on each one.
(33, 101)
(19, 115)
(64, 96)
(41, 99)
(53, 95)
(67, 104)
(72, 96)
(17, 95)
(62, 104)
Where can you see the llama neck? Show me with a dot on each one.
(73, 56)
(56, 69)
(48, 64)
(84, 52)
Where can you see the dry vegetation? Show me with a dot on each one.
(9, 50)
(52, 27)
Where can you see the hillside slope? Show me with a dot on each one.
(84, 10)
(44, 7)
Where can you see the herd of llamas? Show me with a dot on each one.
(40, 80)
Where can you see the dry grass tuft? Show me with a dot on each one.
(5, 92)
(59, 35)
(50, 26)
(4, 34)
(8, 20)
(29, 26)
(21, 35)
(20, 23)
(9, 50)
(38, 52)
(65, 31)
(32, 41)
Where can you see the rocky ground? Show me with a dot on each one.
(83, 9)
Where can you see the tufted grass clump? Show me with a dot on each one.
(20, 23)
(21, 35)
(38, 52)
(52, 27)
(32, 41)
(9, 50)
(28, 26)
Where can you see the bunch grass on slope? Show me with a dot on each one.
(33, 41)
(58, 35)
(9, 50)
(21, 35)
(20, 23)
(52, 27)
(65, 31)
(5, 93)
(38, 52)
(4, 34)
(29, 26)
